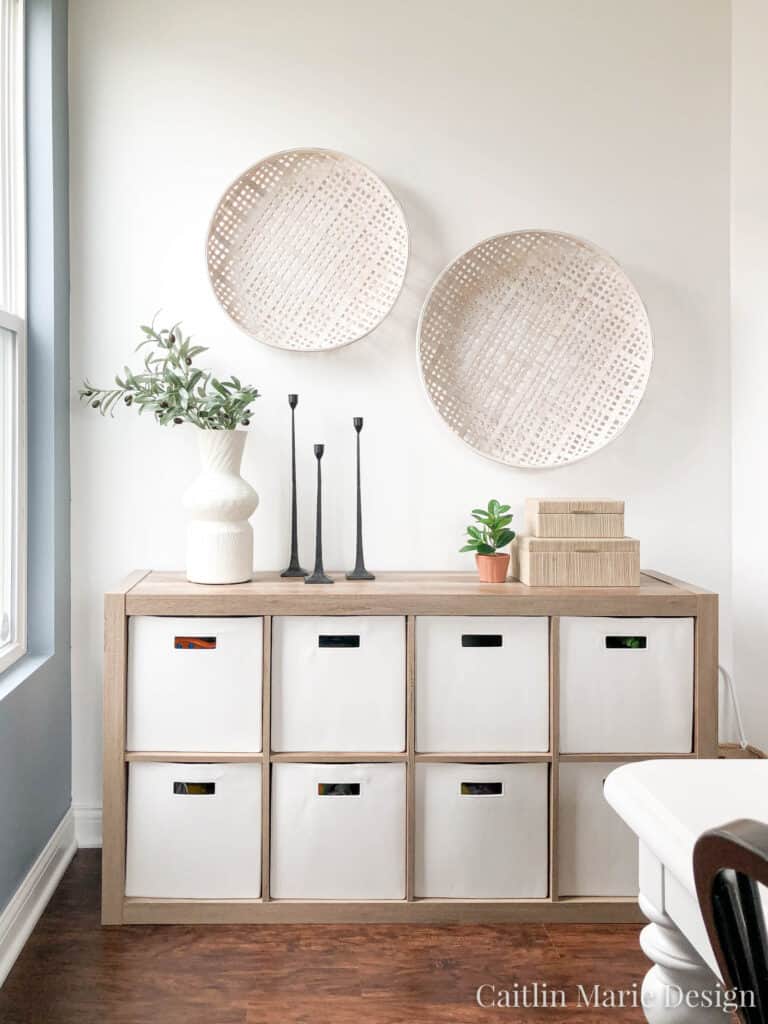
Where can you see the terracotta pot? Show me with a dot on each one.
(492, 568)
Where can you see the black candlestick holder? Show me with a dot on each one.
(359, 572)
(318, 574)
(294, 569)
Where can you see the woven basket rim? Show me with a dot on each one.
(339, 155)
(592, 247)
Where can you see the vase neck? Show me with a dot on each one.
(221, 451)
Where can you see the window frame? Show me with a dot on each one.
(13, 460)
(15, 428)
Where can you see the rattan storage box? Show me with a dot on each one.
(574, 517)
(570, 562)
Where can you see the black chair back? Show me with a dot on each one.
(728, 864)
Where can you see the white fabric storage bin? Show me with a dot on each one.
(338, 683)
(194, 831)
(626, 685)
(482, 831)
(597, 852)
(194, 684)
(482, 683)
(338, 831)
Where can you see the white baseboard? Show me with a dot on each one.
(87, 825)
(31, 898)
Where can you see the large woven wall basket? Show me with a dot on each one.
(308, 250)
(535, 348)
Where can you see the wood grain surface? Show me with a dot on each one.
(403, 593)
(73, 971)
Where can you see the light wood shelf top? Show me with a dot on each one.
(535, 757)
(401, 593)
(193, 756)
(335, 757)
(368, 757)
(613, 757)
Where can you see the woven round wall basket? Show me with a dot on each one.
(308, 250)
(535, 348)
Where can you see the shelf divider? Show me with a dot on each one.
(266, 746)
(410, 747)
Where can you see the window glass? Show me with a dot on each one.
(12, 339)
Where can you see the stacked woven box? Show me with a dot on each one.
(577, 542)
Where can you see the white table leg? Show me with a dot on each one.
(675, 989)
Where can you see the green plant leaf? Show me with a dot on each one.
(469, 547)
(504, 538)
(485, 549)
(171, 388)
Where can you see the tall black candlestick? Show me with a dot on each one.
(294, 569)
(359, 572)
(318, 574)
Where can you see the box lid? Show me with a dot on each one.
(542, 506)
(614, 545)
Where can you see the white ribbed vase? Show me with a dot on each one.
(220, 502)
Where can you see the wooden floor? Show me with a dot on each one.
(72, 971)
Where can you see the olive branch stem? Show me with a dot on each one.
(172, 388)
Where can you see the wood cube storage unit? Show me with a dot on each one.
(419, 601)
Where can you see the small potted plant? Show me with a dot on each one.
(486, 537)
(175, 390)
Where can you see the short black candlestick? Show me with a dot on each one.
(359, 572)
(294, 569)
(318, 574)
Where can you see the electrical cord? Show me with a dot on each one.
(730, 687)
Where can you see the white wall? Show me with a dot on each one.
(749, 334)
(588, 116)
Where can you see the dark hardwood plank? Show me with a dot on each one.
(73, 971)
